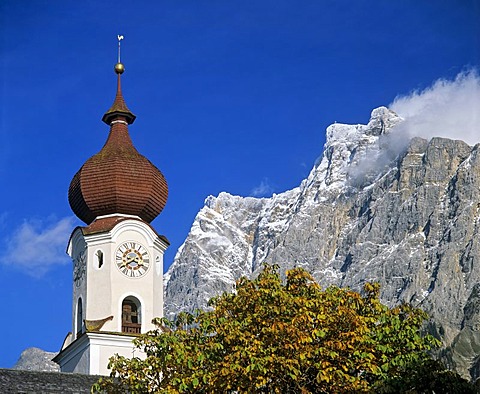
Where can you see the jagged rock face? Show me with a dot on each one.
(34, 359)
(372, 209)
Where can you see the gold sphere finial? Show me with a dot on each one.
(119, 68)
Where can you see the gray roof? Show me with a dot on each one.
(29, 382)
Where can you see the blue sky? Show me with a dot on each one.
(229, 96)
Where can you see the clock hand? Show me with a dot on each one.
(126, 262)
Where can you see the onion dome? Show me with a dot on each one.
(118, 179)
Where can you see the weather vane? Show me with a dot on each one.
(120, 38)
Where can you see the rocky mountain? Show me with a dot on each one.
(375, 207)
(34, 359)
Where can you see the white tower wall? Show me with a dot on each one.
(102, 287)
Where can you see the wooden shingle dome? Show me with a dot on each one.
(118, 179)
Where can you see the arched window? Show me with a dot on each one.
(79, 318)
(131, 317)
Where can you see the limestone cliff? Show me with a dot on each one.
(374, 208)
(35, 359)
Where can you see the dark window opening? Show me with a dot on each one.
(79, 317)
(99, 258)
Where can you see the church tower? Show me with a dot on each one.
(118, 256)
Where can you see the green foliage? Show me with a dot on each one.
(430, 377)
(275, 337)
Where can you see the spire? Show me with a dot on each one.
(118, 179)
(119, 110)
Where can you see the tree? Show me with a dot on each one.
(271, 336)
(429, 376)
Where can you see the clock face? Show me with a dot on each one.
(132, 259)
(79, 268)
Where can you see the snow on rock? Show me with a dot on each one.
(35, 359)
(232, 236)
(375, 207)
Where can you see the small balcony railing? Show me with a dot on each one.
(131, 328)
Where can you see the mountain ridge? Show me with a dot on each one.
(35, 359)
(377, 206)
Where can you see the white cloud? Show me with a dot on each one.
(264, 189)
(448, 108)
(37, 246)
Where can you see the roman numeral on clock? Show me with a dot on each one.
(132, 259)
